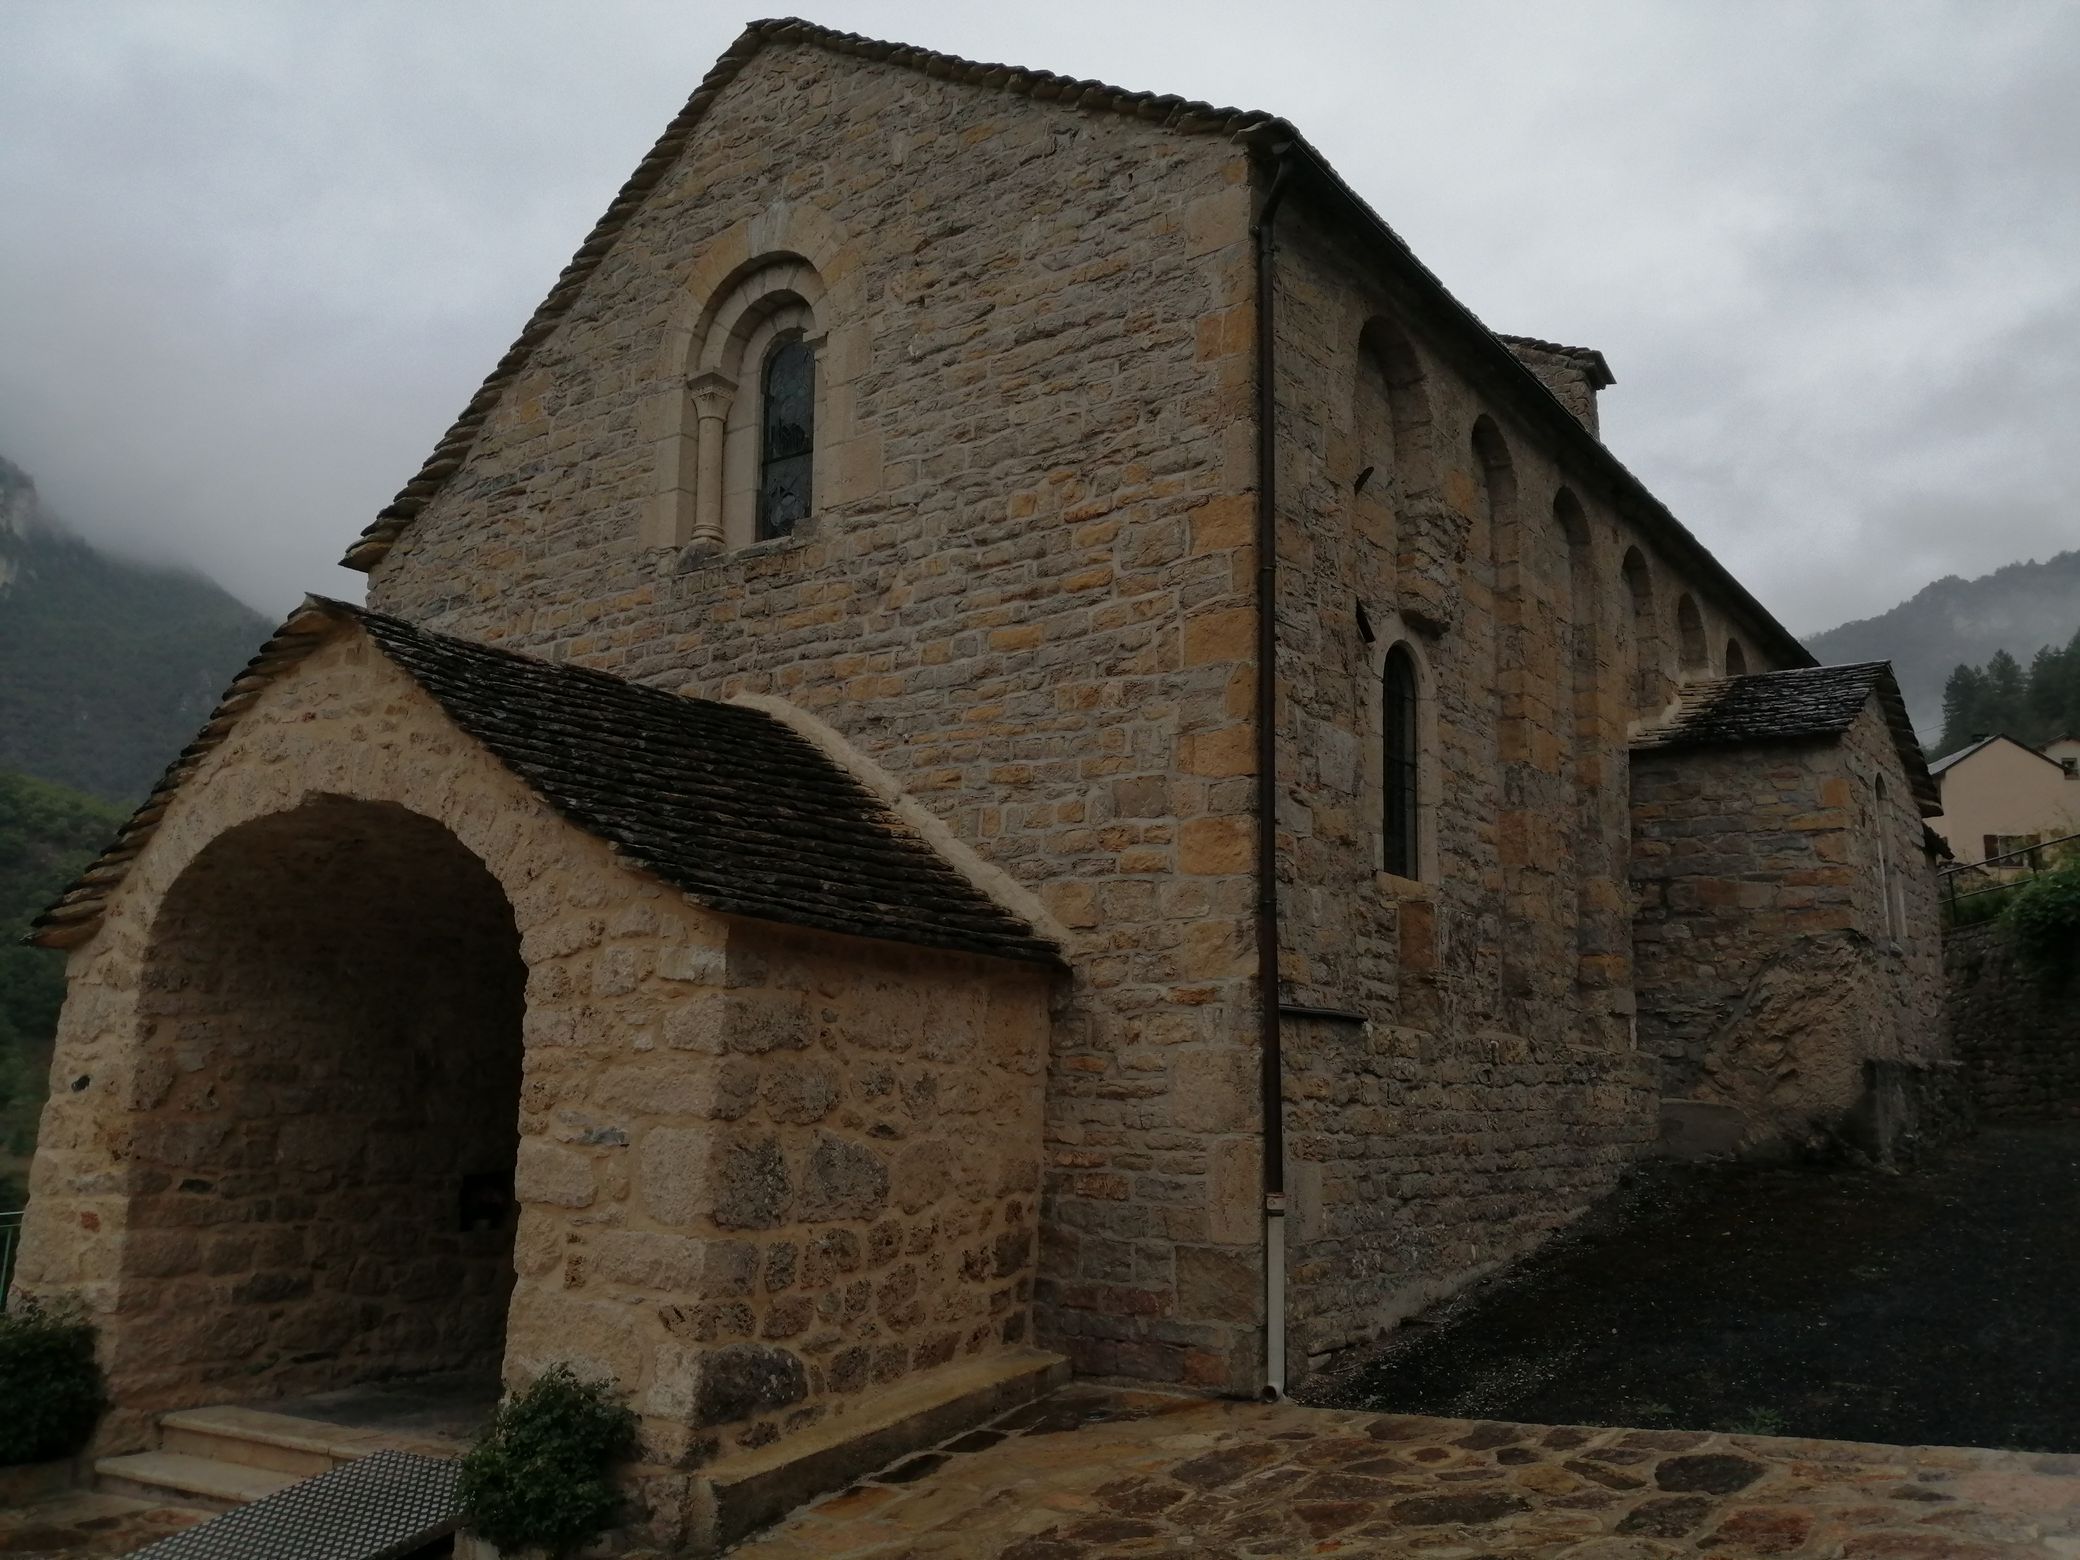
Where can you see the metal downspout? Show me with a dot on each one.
(1269, 1038)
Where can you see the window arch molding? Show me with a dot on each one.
(1692, 655)
(1396, 644)
(1388, 358)
(787, 273)
(1643, 633)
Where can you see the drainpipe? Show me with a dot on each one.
(1268, 1038)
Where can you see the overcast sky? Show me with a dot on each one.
(254, 257)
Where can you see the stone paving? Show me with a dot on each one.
(1093, 1472)
(80, 1526)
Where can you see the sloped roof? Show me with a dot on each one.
(728, 804)
(1184, 115)
(1950, 760)
(1169, 111)
(1589, 358)
(1788, 706)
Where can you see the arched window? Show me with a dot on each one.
(787, 437)
(756, 413)
(1736, 659)
(1690, 635)
(1403, 770)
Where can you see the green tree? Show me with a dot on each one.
(47, 835)
(2007, 695)
(1964, 701)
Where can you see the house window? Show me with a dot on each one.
(1402, 772)
(787, 437)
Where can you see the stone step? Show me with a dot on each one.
(181, 1479)
(259, 1439)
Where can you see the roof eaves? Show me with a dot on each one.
(1537, 404)
(1942, 764)
(77, 912)
(1600, 375)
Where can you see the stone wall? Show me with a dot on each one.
(815, 1173)
(1026, 595)
(759, 1171)
(1490, 1090)
(1027, 599)
(2016, 1029)
(330, 1062)
(1770, 969)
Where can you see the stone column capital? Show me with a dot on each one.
(712, 394)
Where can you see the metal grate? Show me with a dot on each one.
(381, 1508)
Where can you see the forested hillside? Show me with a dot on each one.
(2032, 704)
(47, 834)
(1957, 622)
(107, 667)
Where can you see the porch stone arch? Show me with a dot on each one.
(719, 1116)
(345, 730)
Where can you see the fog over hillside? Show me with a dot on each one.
(107, 667)
(2020, 609)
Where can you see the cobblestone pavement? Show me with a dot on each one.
(1091, 1472)
(81, 1526)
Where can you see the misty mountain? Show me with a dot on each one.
(107, 667)
(1954, 622)
(47, 837)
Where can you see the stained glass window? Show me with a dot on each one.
(787, 437)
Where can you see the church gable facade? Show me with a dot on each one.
(942, 411)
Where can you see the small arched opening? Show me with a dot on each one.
(1392, 414)
(1644, 634)
(1736, 659)
(331, 1018)
(1696, 659)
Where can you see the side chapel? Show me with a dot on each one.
(1004, 741)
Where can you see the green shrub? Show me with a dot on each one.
(538, 1474)
(49, 1382)
(2043, 918)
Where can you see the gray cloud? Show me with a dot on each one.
(254, 257)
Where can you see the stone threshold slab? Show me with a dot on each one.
(742, 1493)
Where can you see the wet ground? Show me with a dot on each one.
(1941, 1306)
(79, 1525)
(1093, 1473)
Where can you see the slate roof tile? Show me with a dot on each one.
(1785, 706)
(726, 803)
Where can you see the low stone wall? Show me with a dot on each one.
(2016, 1030)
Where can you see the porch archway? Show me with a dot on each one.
(331, 1005)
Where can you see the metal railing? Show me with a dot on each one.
(1999, 874)
(10, 1237)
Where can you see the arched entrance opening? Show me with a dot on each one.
(328, 1095)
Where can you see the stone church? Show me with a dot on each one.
(1004, 737)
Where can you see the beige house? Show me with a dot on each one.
(2000, 795)
(1004, 741)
